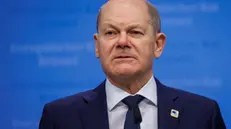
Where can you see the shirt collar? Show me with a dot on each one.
(115, 94)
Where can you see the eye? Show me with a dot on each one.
(136, 32)
(110, 32)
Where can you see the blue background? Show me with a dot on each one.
(47, 52)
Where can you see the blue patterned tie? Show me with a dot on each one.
(133, 116)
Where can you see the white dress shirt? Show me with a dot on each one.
(117, 110)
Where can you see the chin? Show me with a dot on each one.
(125, 71)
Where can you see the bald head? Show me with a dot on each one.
(154, 17)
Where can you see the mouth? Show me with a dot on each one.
(119, 57)
(124, 57)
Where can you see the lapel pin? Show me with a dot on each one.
(174, 113)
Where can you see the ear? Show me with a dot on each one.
(96, 40)
(159, 44)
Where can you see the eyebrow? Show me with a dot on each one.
(110, 26)
(132, 26)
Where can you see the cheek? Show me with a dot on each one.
(105, 49)
(150, 48)
(146, 49)
(147, 56)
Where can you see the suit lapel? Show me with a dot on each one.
(169, 109)
(95, 116)
(94, 113)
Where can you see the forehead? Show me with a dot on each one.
(123, 13)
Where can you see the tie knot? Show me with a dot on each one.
(132, 101)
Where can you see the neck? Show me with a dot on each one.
(131, 84)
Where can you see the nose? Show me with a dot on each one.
(123, 41)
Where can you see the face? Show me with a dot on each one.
(126, 43)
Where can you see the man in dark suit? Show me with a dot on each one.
(129, 38)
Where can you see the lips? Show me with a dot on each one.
(123, 57)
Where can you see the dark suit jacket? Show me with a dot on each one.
(88, 110)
